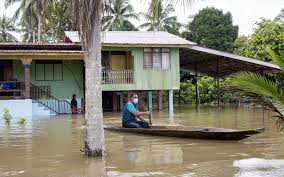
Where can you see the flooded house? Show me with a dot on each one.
(40, 79)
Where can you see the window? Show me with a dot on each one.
(157, 58)
(49, 70)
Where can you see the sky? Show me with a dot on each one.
(245, 12)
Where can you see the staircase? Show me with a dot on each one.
(45, 102)
(40, 110)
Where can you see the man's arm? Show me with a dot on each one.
(137, 113)
(141, 114)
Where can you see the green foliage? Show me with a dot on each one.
(268, 34)
(120, 13)
(59, 18)
(207, 91)
(160, 18)
(7, 116)
(22, 121)
(6, 27)
(280, 17)
(213, 29)
(255, 83)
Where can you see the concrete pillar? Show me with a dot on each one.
(128, 95)
(141, 100)
(160, 100)
(121, 101)
(27, 82)
(114, 102)
(150, 99)
(171, 101)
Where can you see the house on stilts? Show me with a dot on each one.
(39, 79)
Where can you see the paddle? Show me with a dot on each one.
(150, 120)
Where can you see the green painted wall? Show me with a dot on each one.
(72, 82)
(150, 79)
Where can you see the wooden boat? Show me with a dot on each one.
(190, 132)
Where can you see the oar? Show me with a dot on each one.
(150, 120)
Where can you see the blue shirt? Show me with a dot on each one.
(127, 115)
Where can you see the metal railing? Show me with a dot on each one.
(47, 100)
(118, 77)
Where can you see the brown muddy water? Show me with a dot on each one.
(50, 147)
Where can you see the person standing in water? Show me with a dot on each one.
(131, 114)
(74, 105)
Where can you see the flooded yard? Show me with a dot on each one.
(50, 146)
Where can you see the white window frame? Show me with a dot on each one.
(161, 54)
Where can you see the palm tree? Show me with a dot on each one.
(159, 18)
(6, 27)
(263, 89)
(89, 18)
(31, 12)
(118, 19)
(59, 18)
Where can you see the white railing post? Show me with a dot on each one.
(117, 77)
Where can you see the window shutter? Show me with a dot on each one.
(157, 59)
(166, 62)
(147, 62)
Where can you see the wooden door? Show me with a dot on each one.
(118, 62)
(7, 71)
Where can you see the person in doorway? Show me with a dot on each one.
(74, 105)
(131, 114)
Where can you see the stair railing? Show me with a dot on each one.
(47, 100)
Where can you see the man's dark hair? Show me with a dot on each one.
(74, 95)
(132, 94)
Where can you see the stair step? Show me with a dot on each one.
(39, 109)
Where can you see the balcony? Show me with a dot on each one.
(11, 89)
(118, 77)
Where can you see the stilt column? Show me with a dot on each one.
(128, 95)
(27, 82)
(150, 104)
(121, 101)
(141, 101)
(160, 100)
(171, 101)
(114, 102)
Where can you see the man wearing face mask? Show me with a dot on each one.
(131, 114)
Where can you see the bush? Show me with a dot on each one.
(7, 116)
(22, 121)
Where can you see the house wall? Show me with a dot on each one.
(150, 79)
(72, 82)
(17, 108)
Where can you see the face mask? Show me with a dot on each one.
(135, 100)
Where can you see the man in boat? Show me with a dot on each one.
(131, 114)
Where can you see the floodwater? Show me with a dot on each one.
(50, 147)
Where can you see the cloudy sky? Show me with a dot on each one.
(245, 12)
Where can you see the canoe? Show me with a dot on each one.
(190, 132)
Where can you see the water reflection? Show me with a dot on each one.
(50, 146)
(259, 167)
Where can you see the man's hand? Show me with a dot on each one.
(147, 113)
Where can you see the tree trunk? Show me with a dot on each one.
(34, 36)
(94, 142)
(39, 29)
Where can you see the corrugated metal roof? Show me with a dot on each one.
(40, 46)
(217, 63)
(135, 38)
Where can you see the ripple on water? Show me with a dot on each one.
(255, 167)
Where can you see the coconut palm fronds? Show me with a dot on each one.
(263, 90)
